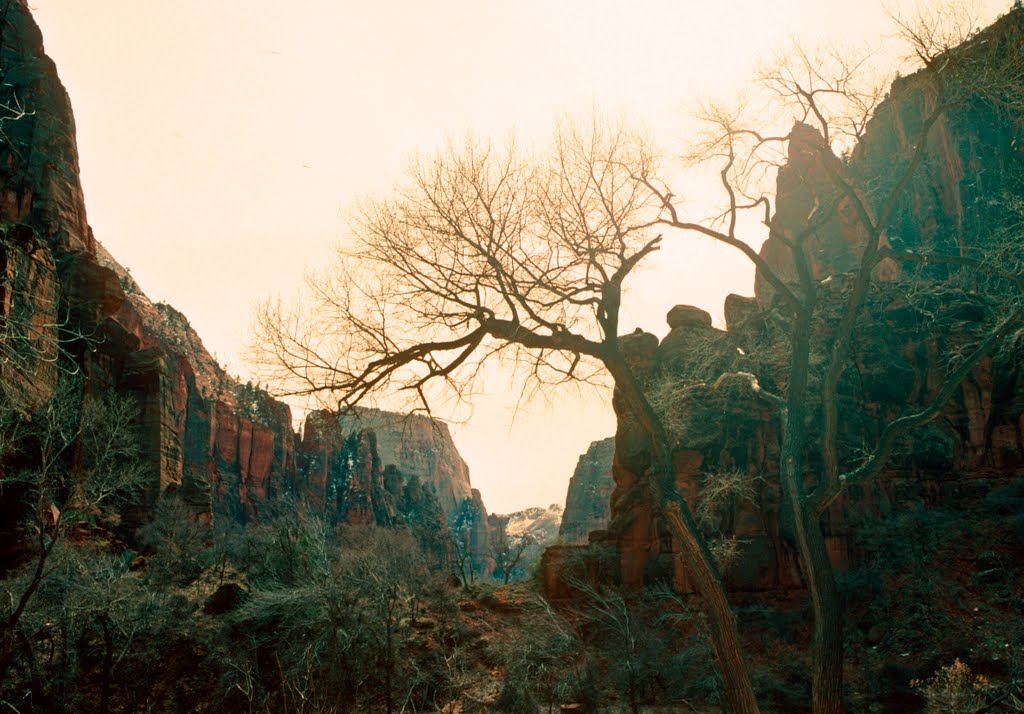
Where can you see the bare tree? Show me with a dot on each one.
(385, 569)
(826, 95)
(508, 550)
(65, 490)
(488, 253)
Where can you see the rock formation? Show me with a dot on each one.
(532, 530)
(42, 210)
(540, 524)
(344, 476)
(419, 446)
(472, 531)
(804, 191)
(961, 199)
(590, 488)
(218, 444)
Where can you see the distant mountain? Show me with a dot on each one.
(540, 523)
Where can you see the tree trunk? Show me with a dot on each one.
(33, 669)
(9, 629)
(390, 666)
(739, 694)
(725, 639)
(827, 650)
(827, 685)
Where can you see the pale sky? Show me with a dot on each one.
(222, 142)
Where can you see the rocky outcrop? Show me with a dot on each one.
(807, 197)
(962, 196)
(526, 533)
(540, 524)
(344, 476)
(419, 446)
(726, 434)
(590, 489)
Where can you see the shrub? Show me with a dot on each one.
(954, 689)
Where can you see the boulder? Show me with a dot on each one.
(685, 315)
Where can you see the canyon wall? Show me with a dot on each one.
(69, 311)
(420, 446)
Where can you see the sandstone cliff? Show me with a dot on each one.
(42, 210)
(420, 446)
(590, 488)
(471, 528)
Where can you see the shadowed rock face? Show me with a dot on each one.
(473, 530)
(586, 503)
(39, 177)
(344, 476)
(42, 212)
(972, 172)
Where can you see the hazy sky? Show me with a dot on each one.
(222, 142)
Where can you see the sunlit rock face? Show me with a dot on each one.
(536, 527)
(965, 195)
(590, 488)
(540, 524)
(419, 446)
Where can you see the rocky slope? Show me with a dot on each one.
(533, 529)
(540, 524)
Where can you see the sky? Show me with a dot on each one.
(222, 143)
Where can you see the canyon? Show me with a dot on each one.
(222, 448)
